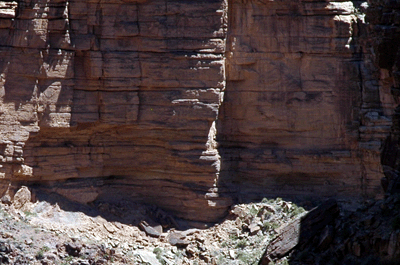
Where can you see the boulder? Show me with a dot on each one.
(302, 231)
(21, 197)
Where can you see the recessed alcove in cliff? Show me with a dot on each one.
(129, 100)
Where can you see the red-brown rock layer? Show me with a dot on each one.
(178, 102)
(118, 98)
(303, 114)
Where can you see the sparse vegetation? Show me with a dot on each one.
(28, 214)
(248, 247)
(268, 226)
(296, 210)
(232, 238)
(241, 238)
(159, 255)
(40, 253)
(241, 243)
(157, 251)
(253, 211)
(68, 260)
(246, 258)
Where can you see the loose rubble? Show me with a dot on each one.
(269, 232)
(43, 233)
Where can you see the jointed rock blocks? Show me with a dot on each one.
(189, 103)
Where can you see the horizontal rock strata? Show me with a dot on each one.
(302, 113)
(188, 103)
(113, 99)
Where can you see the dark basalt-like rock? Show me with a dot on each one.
(301, 231)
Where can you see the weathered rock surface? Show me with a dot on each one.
(303, 113)
(119, 98)
(370, 235)
(188, 103)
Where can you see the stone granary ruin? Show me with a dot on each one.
(193, 105)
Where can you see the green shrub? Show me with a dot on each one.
(267, 226)
(296, 210)
(233, 237)
(253, 211)
(157, 251)
(28, 213)
(40, 254)
(241, 243)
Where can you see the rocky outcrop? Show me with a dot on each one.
(315, 224)
(368, 235)
(187, 104)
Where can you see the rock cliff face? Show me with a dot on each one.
(303, 113)
(116, 98)
(385, 19)
(188, 104)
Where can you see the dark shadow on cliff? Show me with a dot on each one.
(274, 137)
(240, 180)
(119, 209)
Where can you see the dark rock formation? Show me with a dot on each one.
(301, 231)
(369, 235)
(385, 20)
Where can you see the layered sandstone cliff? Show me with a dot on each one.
(190, 104)
(303, 113)
(118, 98)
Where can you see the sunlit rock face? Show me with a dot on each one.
(187, 104)
(114, 99)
